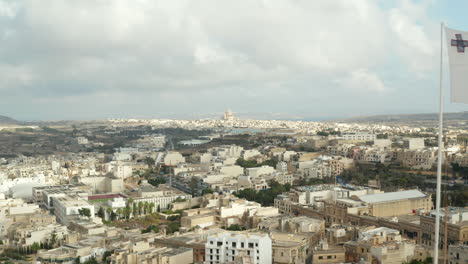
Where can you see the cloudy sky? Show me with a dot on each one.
(91, 59)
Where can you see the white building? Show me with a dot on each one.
(359, 136)
(288, 155)
(117, 202)
(173, 158)
(228, 115)
(258, 171)
(382, 143)
(68, 206)
(237, 208)
(118, 156)
(103, 184)
(206, 158)
(82, 140)
(227, 151)
(282, 166)
(317, 195)
(158, 141)
(234, 170)
(414, 143)
(161, 197)
(238, 248)
(26, 236)
(250, 153)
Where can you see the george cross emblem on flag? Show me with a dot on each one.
(459, 43)
(458, 63)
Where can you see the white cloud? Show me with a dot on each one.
(415, 35)
(364, 80)
(149, 47)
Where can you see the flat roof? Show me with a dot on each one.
(391, 196)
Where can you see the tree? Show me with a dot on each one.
(265, 197)
(119, 213)
(135, 210)
(235, 227)
(150, 228)
(246, 163)
(146, 207)
(150, 161)
(140, 208)
(193, 185)
(109, 213)
(179, 200)
(105, 256)
(206, 191)
(113, 216)
(35, 247)
(53, 239)
(156, 181)
(84, 212)
(173, 227)
(127, 212)
(101, 213)
(151, 208)
(91, 260)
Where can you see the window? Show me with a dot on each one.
(211, 242)
(234, 244)
(282, 254)
(242, 245)
(251, 245)
(220, 244)
(320, 257)
(329, 257)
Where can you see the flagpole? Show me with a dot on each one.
(439, 151)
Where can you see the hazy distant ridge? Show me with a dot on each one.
(5, 120)
(405, 118)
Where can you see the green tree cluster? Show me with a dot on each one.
(84, 212)
(207, 191)
(426, 261)
(252, 163)
(264, 197)
(172, 227)
(150, 228)
(235, 227)
(156, 181)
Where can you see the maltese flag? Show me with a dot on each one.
(458, 61)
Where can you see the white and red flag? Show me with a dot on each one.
(458, 61)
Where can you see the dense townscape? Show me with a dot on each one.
(147, 191)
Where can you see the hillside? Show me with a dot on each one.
(408, 118)
(5, 120)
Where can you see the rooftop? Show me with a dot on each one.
(392, 196)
